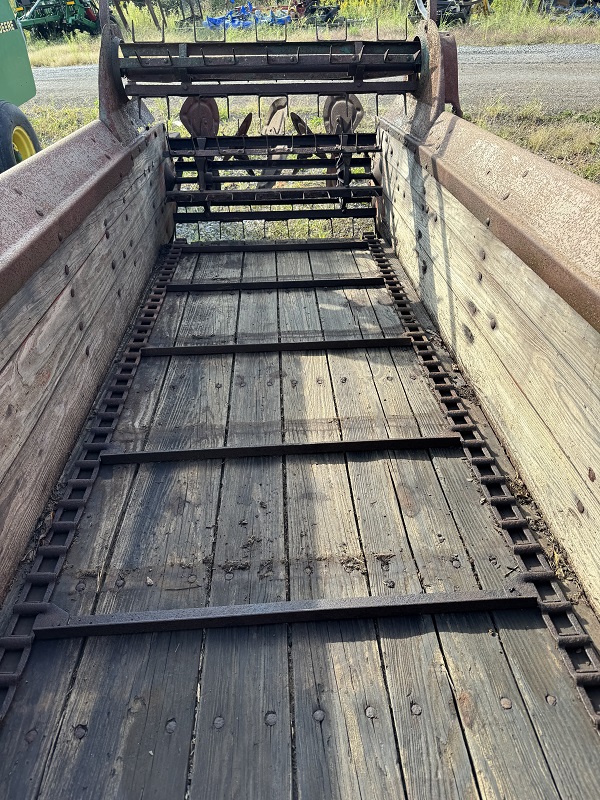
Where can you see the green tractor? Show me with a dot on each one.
(50, 18)
(17, 138)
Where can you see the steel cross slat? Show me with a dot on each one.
(56, 623)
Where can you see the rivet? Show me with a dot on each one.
(171, 725)
(319, 715)
(505, 703)
(107, 234)
(580, 507)
(270, 718)
(416, 709)
(370, 712)
(80, 731)
(60, 236)
(81, 326)
(218, 723)
(482, 255)
(551, 700)
(591, 475)
(487, 221)
(39, 212)
(66, 269)
(72, 292)
(113, 264)
(31, 735)
(87, 350)
(479, 276)
(493, 323)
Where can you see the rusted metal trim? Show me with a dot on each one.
(56, 623)
(37, 223)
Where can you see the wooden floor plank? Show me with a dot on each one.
(452, 706)
(433, 764)
(243, 729)
(345, 743)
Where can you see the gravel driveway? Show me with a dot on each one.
(560, 76)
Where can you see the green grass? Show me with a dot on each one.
(568, 138)
(52, 123)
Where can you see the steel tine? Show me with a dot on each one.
(316, 31)
(163, 32)
(133, 39)
(377, 28)
(377, 104)
(168, 107)
(285, 27)
(228, 109)
(137, 55)
(194, 25)
(346, 29)
(162, 12)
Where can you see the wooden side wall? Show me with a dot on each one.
(58, 335)
(533, 361)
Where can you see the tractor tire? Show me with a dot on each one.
(17, 138)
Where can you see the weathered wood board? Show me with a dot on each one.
(59, 333)
(533, 361)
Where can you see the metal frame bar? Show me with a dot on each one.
(275, 347)
(269, 246)
(451, 440)
(411, 84)
(309, 283)
(57, 624)
(275, 216)
(350, 194)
